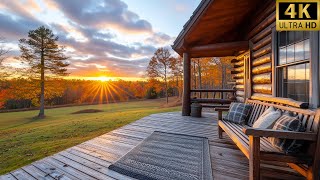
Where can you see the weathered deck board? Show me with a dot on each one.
(91, 159)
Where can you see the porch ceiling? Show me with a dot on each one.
(216, 21)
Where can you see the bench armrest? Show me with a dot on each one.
(220, 110)
(279, 134)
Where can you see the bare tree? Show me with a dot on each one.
(3, 55)
(3, 50)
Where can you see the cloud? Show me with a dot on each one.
(104, 14)
(159, 38)
(14, 28)
(92, 32)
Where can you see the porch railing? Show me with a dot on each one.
(218, 97)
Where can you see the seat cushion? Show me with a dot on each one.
(267, 119)
(288, 123)
(238, 113)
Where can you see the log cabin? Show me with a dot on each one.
(276, 68)
(267, 63)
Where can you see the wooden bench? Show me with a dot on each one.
(256, 147)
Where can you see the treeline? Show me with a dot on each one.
(24, 93)
(211, 73)
(207, 73)
(41, 82)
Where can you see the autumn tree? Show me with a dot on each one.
(224, 65)
(176, 65)
(159, 67)
(43, 56)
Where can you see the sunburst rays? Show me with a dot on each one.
(106, 92)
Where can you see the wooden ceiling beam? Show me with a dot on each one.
(234, 46)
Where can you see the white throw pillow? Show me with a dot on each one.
(267, 118)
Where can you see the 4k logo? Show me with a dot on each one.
(297, 15)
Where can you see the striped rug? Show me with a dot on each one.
(166, 156)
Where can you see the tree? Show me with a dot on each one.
(3, 55)
(159, 67)
(43, 55)
(3, 51)
(176, 64)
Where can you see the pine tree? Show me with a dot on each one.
(43, 56)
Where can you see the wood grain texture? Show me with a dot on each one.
(284, 101)
(186, 109)
(90, 159)
(254, 159)
(254, 144)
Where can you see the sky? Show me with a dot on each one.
(105, 39)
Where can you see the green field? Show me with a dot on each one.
(24, 139)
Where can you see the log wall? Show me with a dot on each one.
(238, 75)
(259, 34)
(261, 60)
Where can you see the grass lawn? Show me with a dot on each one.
(24, 139)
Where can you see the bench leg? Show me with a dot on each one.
(220, 131)
(219, 115)
(313, 172)
(254, 158)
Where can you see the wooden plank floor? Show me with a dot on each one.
(90, 160)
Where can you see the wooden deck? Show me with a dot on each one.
(90, 160)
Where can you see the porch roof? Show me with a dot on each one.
(214, 23)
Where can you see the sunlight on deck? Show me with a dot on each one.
(90, 160)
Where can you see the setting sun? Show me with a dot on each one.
(103, 78)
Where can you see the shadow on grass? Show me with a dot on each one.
(87, 111)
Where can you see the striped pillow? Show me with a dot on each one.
(288, 123)
(238, 113)
(268, 118)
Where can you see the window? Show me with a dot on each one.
(293, 65)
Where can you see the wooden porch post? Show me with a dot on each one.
(186, 101)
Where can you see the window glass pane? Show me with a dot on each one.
(299, 51)
(294, 79)
(295, 82)
(290, 37)
(300, 82)
(282, 56)
(306, 34)
(290, 82)
(290, 53)
(298, 36)
(283, 39)
(307, 49)
(284, 82)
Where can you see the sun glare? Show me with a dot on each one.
(103, 78)
(106, 91)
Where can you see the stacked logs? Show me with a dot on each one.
(261, 58)
(238, 75)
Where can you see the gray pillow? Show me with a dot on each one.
(288, 123)
(267, 118)
(238, 113)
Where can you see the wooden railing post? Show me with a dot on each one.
(186, 101)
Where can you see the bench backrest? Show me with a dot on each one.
(309, 118)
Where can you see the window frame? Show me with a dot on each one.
(314, 65)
